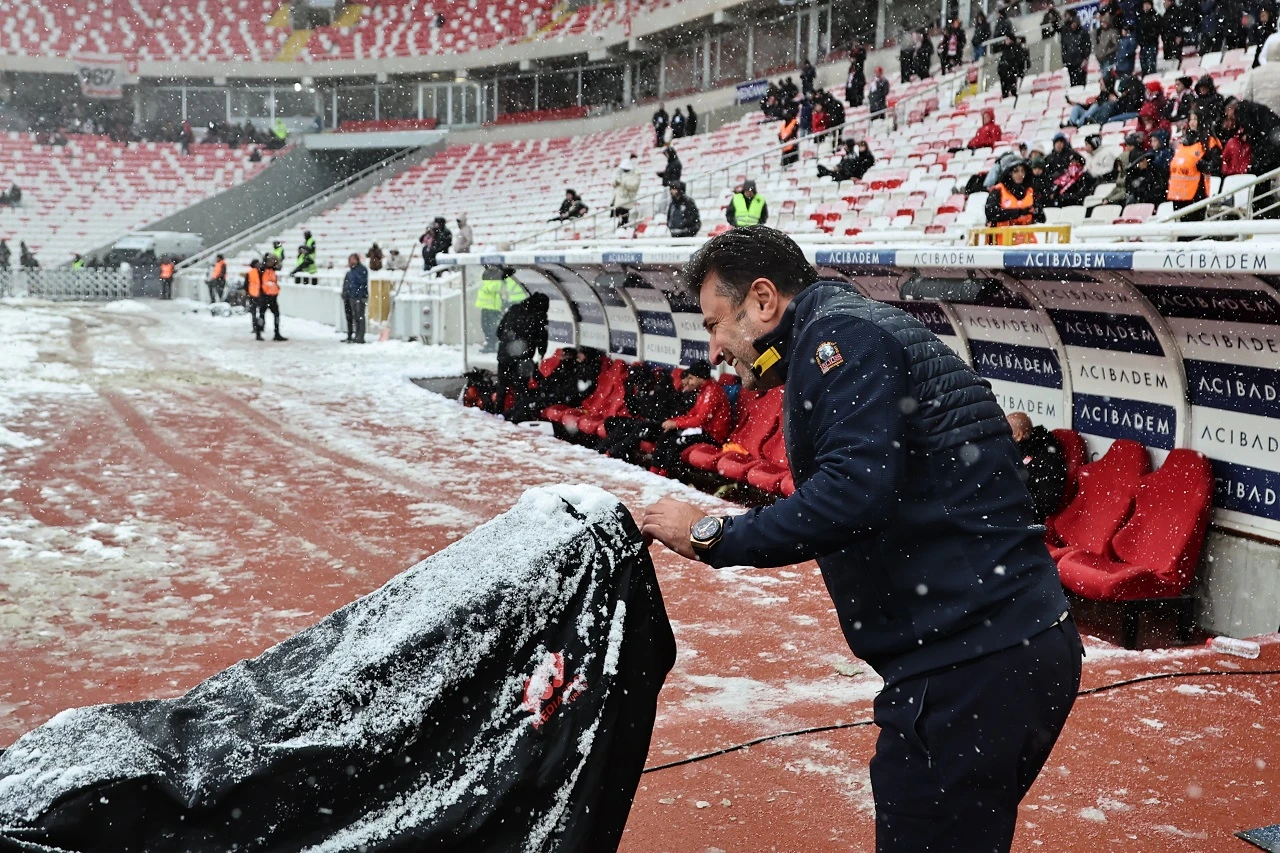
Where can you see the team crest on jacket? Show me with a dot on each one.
(828, 356)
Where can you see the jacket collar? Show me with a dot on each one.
(774, 346)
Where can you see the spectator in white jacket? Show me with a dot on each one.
(626, 186)
(462, 237)
(1262, 85)
(1098, 161)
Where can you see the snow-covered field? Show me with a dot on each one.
(175, 496)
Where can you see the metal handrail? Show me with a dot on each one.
(1222, 199)
(655, 201)
(204, 255)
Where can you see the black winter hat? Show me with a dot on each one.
(700, 368)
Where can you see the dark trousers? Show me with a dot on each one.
(166, 288)
(256, 314)
(1008, 84)
(671, 445)
(1079, 74)
(355, 309)
(1147, 55)
(489, 320)
(959, 748)
(216, 288)
(269, 303)
(623, 437)
(514, 372)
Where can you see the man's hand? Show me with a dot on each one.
(669, 521)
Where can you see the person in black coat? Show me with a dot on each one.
(855, 163)
(660, 122)
(1004, 31)
(683, 219)
(1012, 66)
(923, 60)
(671, 174)
(573, 207)
(855, 83)
(677, 125)
(355, 298)
(435, 241)
(1043, 462)
(807, 75)
(1076, 50)
(1146, 180)
(522, 336)
(1147, 32)
(921, 525)
(981, 35)
(690, 121)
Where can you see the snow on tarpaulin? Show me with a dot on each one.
(500, 695)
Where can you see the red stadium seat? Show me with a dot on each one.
(611, 405)
(736, 466)
(1076, 455)
(612, 374)
(767, 476)
(749, 433)
(1102, 502)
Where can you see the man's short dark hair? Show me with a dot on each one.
(701, 369)
(743, 255)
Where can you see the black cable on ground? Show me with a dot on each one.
(1101, 688)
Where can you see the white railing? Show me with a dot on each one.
(66, 285)
(1255, 198)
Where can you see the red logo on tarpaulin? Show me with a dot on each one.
(543, 693)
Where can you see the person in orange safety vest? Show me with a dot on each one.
(788, 132)
(166, 277)
(1197, 157)
(269, 301)
(217, 280)
(1013, 201)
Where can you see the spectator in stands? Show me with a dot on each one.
(1181, 22)
(856, 162)
(522, 337)
(1019, 152)
(1003, 30)
(989, 134)
(1147, 35)
(1076, 50)
(1075, 184)
(1130, 152)
(951, 48)
(1106, 42)
(1209, 103)
(1013, 201)
(1150, 120)
(626, 187)
(1040, 180)
(790, 91)
(690, 121)
(1160, 147)
(819, 121)
(217, 279)
(1237, 154)
(660, 122)
(878, 97)
(747, 207)
(1262, 84)
(397, 261)
(981, 35)
(807, 75)
(907, 56)
(805, 114)
(435, 241)
(1043, 461)
(1263, 28)
(355, 296)
(1212, 25)
(5, 254)
(1260, 128)
(833, 109)
(677, 125)
(1012, 66)
(464, 236)
(682, 214)
(11, 197)
(670, 175)
(1059, 156)
(1196, 158)
(855, 82)
(186, 137)
(375, 257)
(924, 55)
(788, 137)
(1050, 24)
(255, 155)
(573, 207)
(1146, 182)
(709, 420)
(1235, 33)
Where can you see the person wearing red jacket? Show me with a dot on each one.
(710, 414)
(989, 135)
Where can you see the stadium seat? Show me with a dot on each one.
(733, 465)
(767, 475)
(1076, 455)
(1153, 556)
(1104, 498)
(749, 432)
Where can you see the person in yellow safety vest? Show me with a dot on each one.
(788, 132)
(277, 249)
(166, 278)
(217, 280)
(78, 262)
(1013, 201)
(747, 207)
(1197, 157)
(489, 301)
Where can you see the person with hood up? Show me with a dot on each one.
(1012, 66)
(878, 97)
(1182, 101)
(1198, 156)
(748, 207)
(1146, 181)
(1097, 161)
(923, 59)
(1018, 152)
(1106, 42)
(1075, 184)
(1209, 103)
(677, 124)
(1237, 153)
(1076, 50)
(435, 241)
(626, 187)
(464, 236)
(1159, 142)
(1041, 181)
(572, 207)
(522, 337)
(1055, 162)
(989, 134)
(1013, 201)
(1262, 85)
(690, 121)
(1147, 35)
(1150, 120)
(682, 215)
(671, 173)
(660, 122)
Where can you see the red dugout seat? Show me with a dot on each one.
(556, 413)
(611, 373)
(768, 473)
(1076, 455)
(1157, 551)
(611, 404)
(736, 466)
(1102, 502)
(754, 425)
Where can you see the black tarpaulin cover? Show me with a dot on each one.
(500, 695)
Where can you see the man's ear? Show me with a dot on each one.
(764, 293)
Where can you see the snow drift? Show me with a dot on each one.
(499, 696)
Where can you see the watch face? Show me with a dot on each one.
(706, 528)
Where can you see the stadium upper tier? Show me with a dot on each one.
(510, 190)
(92, 191)
(258, 30)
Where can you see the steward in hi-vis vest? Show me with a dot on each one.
(747, 207)
(269, 301)
(166, 278)
(1013, 201)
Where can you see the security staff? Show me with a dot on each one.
(909, 497)
(77, 263)
(218, 279)
(253, 289)
(1014, 201)
(1198, 156)
(277, 249)
(789, 132)
(747, 207)
(306, 265)
(166, 278)
(270, 297)
(498, 291)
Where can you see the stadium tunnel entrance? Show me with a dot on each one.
(1170, 346)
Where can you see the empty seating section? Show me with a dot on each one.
(145, 29)
(92, 191)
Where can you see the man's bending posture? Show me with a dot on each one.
(908, 495)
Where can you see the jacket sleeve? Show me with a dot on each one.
(857, 430)
(993, 210)
(729, 214)
(696, 225)
(696, 416)
(764, 213)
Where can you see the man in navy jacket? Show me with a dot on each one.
(355, 298)
(909, 497)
